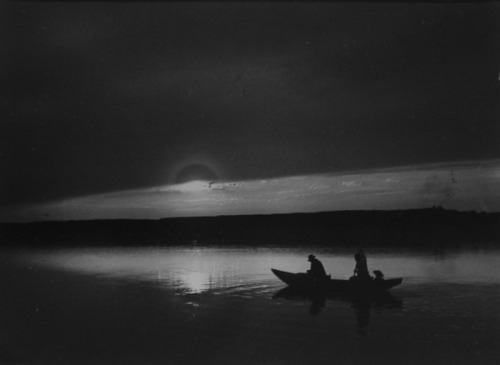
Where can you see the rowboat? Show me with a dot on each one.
(305, 282)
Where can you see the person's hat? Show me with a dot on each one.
(311, 257)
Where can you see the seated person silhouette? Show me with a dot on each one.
(317, 271)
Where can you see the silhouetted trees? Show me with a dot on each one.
(434, 226)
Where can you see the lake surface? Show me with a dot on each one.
(207, 305)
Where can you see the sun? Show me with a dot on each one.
(195, 173)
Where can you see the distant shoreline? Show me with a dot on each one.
(415, 227)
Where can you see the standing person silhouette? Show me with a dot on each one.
(361, 269)
(317, 270)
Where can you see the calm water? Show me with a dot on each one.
(186, 305)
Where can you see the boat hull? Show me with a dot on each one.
(304, 282)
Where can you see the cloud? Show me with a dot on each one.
(462, 188)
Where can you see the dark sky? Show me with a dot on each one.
(101, 97)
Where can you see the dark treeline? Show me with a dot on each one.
(424, 227)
